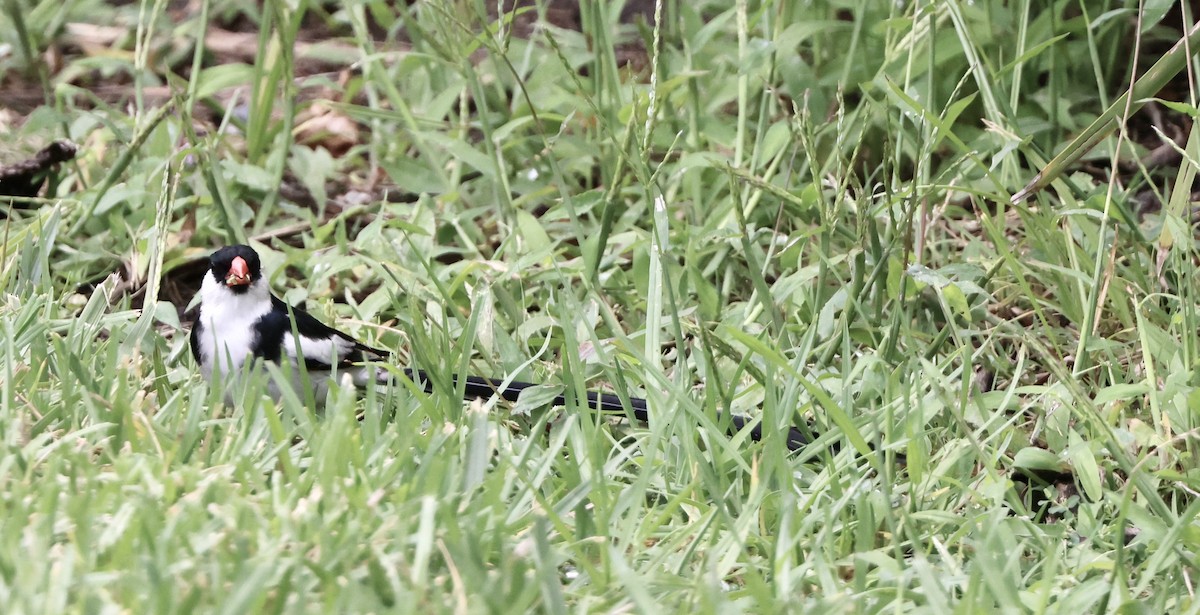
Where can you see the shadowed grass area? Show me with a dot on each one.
(798, 212)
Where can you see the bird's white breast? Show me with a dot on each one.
(228, 335)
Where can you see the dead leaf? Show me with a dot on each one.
(324, 127)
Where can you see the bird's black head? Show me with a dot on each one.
(236, 267)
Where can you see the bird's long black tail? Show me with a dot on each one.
(608, 403)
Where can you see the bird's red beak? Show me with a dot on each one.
(239, 273)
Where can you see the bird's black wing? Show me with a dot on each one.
(321, 346)
(194, 340)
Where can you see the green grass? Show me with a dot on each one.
(799, 212)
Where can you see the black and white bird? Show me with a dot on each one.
(240, 320)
